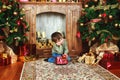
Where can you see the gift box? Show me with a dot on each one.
(13, 58)
(61, 60)
(108, 56)
(89, 59)
(108, 61)
(5, 61)
(110, 64)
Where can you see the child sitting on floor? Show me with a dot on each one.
(59, 47)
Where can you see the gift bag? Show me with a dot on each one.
(61, 60)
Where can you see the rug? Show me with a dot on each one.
(41, 70)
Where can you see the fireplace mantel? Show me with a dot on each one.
(70, 10)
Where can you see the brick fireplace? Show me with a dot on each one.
(71, 12)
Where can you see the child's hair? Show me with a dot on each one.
(56, 36)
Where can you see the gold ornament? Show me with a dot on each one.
(110, 16)
(11, 31)
(86, 5)
(21, 18)
(15, 13)
(116, 25)
(15, 29)
(100, 15)
(0, 10)
(92, 27)
(4, 6)
(81, 24)
(119, 25)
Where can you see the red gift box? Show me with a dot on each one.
(5, 61)
(108, 61)
(108, 56)
(61, 60)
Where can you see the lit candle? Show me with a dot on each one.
(38, 34)
(43, 34)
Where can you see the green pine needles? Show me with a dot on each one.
(100, 20)
(13, 27)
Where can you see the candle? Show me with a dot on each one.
(38, 34)
(43, 34)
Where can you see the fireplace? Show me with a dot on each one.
(49, 22)
(70, 14)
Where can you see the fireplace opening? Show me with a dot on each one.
(46, 24)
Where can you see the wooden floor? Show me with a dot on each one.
(13, 71)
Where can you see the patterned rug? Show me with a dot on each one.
(41, 70)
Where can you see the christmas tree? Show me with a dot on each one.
(100, 20)
(13, 27)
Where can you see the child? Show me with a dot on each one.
(59, 47)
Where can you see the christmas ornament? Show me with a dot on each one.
(15, 29)
(95, 20)
(104, 15)
(21, 18)
(116, 25)
(100, 15)
(23, 0)
(93, 27)
(119, 25)
(78, 34)
(11, 31)
(15, 13)
(18, 22)
(0, 10)
(86, 5)
(4, 6)
(81, 24)
(110, 16)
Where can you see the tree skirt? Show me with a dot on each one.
(41, 70)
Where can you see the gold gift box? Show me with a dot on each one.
(89, 59)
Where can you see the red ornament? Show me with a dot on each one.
(104, 15)
(78, 34)
(24, 0)
(18, 22)
(95, 20)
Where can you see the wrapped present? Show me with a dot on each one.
(5, 61)
(13, 58)
(89, 59)
(108, 56)
(110, 64)
(108, 61)
(61, 60)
